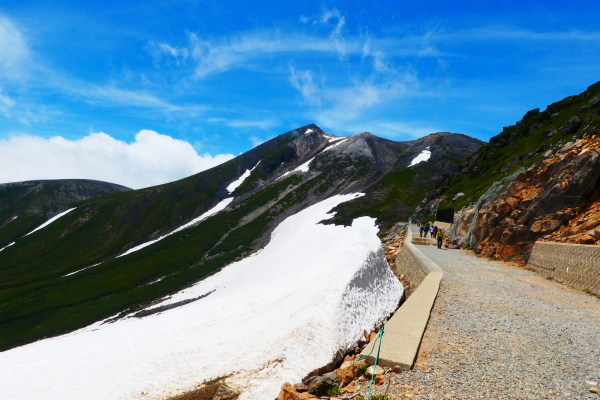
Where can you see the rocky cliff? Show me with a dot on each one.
(537, 179)
(557, 199)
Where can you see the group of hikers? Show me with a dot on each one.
(437, 233)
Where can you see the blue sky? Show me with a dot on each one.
(218, 78)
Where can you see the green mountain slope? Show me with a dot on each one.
(26, 205)
(70, 274)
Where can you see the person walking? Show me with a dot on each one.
(434, 231)
(440, 236)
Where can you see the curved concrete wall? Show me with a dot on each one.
(404, 331)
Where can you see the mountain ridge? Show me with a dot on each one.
(82, 267)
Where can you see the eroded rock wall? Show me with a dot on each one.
(557, 199)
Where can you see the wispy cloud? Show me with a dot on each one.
(302, 80)
(213, 57)
(503, 33)
(14, 51)
(267, 123)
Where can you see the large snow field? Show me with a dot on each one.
(273, 317)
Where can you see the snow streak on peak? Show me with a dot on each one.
(220, 206)
(333, 138)
(235, 184)
(315, 288)
(337, 144)
(51, 220)
(8, 245)
(304, 167)
(308, 131)
(423, 156)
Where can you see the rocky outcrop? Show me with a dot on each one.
(557, 199)
(42, 196)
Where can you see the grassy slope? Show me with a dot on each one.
(32, 200)
(37, 301)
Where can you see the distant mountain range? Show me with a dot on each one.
(76, 255)
(98, 259)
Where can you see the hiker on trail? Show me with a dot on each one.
(440, 236)
(426, 229)
(421, 229)
(434, 231)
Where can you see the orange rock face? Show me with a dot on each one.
(289, 393)
(557, 199)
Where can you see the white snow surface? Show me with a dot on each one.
(220, 206)
(335, 145)
(8, 245)
(273, 317)
(304, 167)
(51, 220)
(308, 131)
(423, 156)
(79, 270)
(235, 184)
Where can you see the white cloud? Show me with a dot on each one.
(165, 52)
(6, 103)
(264, 124)
(218, 56)
(303, 81)
(14, 51)
(150, 160)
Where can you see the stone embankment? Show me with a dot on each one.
(575, 265)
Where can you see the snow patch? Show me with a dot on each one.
(51, 220)
(335, 145)
(276, 316)
(308, 131)
(423, 156)
(8, 245)
(335, 139)
(304, 167)
(220, 206)
(79, 270)
(235, 184)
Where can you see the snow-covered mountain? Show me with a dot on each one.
(242, 270)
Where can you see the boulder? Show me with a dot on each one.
(572, 126)
(225, 393)
(374, 370)
(347, 375)
(300, 387)
(289, 393)
(351, 388)
(320, 385)
(586, 239)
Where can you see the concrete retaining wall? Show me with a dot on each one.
(412, 263)
(576, 265)
(404, 331)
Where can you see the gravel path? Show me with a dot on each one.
(498, 331)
